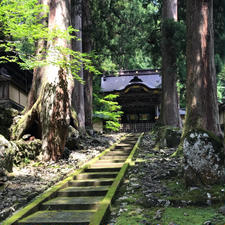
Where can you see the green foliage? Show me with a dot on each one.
(219, 20)
(219, 34)
(108, 66)
(120, 32)
(108, 110)
(174, 35)
(221, 85)
(23, 25)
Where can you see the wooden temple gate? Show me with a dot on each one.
(136, 127)
(139, 96)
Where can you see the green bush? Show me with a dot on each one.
(109, 111)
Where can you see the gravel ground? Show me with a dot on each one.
(144, 194)
(30, 180)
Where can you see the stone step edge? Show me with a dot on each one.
(97, 173)
(49, 193)
(99, 216)
(84, 189)
(63, 211)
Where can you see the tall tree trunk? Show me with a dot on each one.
(78, 92)
(88, 76)
(52, 106)
(36, 83)
(169, 114)
(203, 152)
(202, 106)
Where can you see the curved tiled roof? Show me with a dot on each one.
(119, 83)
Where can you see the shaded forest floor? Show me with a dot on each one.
(154, 192)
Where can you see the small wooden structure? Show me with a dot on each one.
(14, 86)
(139, 96)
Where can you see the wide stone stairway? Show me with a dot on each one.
(85, 198)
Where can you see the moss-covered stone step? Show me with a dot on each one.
(90, 175)
(106, 165)
(83, 191)
(124, 148)
(68, 203)
(130, 142)
(91, 182)
(123, 145)
(111, 160)
(117, 153)
(60, 217)
(113, 157)
(96, 169)
(102, 164)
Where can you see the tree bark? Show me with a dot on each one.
(78, 92)
(88, 76)
(202, 107)
(36, 83)
(169, 114)
(52, 106)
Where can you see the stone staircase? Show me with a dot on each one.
(79, 200)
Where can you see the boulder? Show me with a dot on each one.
(6, 120)
(16, 152)
(7, 153)
(204, 159)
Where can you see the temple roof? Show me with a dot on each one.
(149, 78)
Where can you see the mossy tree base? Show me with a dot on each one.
(168, 137)
(50, 115)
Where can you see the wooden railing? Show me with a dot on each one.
(136, 127)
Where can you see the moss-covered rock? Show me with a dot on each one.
(6, 120)
(204, 158)
(26, 150)
(7, 152)
(168, 137)
(17, 152)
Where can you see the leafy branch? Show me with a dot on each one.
(23, 24)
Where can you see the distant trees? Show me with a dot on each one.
(121, 32)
